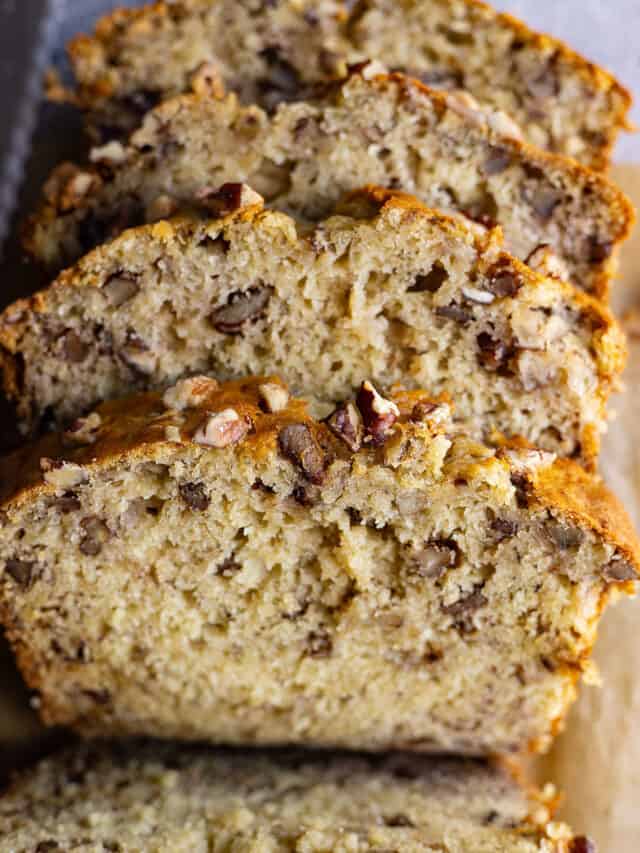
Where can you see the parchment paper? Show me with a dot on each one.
(597, 759)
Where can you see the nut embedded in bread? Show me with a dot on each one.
(270, 52)
(178, 799)
(198, 566)
(372, 128)
(386, 289)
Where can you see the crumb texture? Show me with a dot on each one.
(164, 798)
(403, 295)
(269, 52)
(217, 564)
(371, 128)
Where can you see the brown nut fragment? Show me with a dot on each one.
(22, 572)
(319, 644)
(466, 605)
(346, 423)
(543, 200)
(137, 355)
(433, 560)
(189, 393)
(228, 198)
(454, 312)
(581, 844)
(221, 429)
(619, 569)
(493, 354)
(83, 430)
(298, 444)
(195, 496)
(504, 528)
(498, 160)
(503, 280)
(120, 288)
(62, 475)
(273, 397)
(75, 349)
(96, 534)
(378, 414)
(564, 536)
(242, 307)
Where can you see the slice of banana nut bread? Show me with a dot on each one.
(215, 564)
(177, 799)
(271, 51)
(372, 128)
(387, 289)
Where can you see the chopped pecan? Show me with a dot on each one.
(228, 198)
(75, 349)
(503, 279)
(189, 393)
(378, 414)
(454, 312)
(298, 444)
(346, 423)
(195, 496)
(242, 307)
(433, 560)
(273, 397)
(619, 569)
(493, 354)
(23, 572)
(565, 536)
(96, 533)
(221, 429)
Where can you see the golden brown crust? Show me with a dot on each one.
(133, 427)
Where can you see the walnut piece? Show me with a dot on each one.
(221, 429)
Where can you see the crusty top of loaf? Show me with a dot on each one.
(370, 202)
(135, 428)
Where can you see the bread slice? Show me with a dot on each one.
(387, 289)
(373, 128)
(176, 799)
(215, 564)
(268, 52)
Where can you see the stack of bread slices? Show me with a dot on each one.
(311, 414)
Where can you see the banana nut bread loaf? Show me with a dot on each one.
(387, 289)
(372, 128)
(216, 564)
(176, 799)
(271, 50)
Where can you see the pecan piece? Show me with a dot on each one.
(75, 349)
(273, 397)
(433, 560)
(319, 644)
(346, 423)
(120, 288)
(298, 444)
(221, 429)
(466, 605)
(378, 414)
(493, 354)
(565, 537)
(619, 569)
(96, 534)
(456, 313)
(228, 198)
(503, 280)
(242, 307)
(195, 496)
(23, 572)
